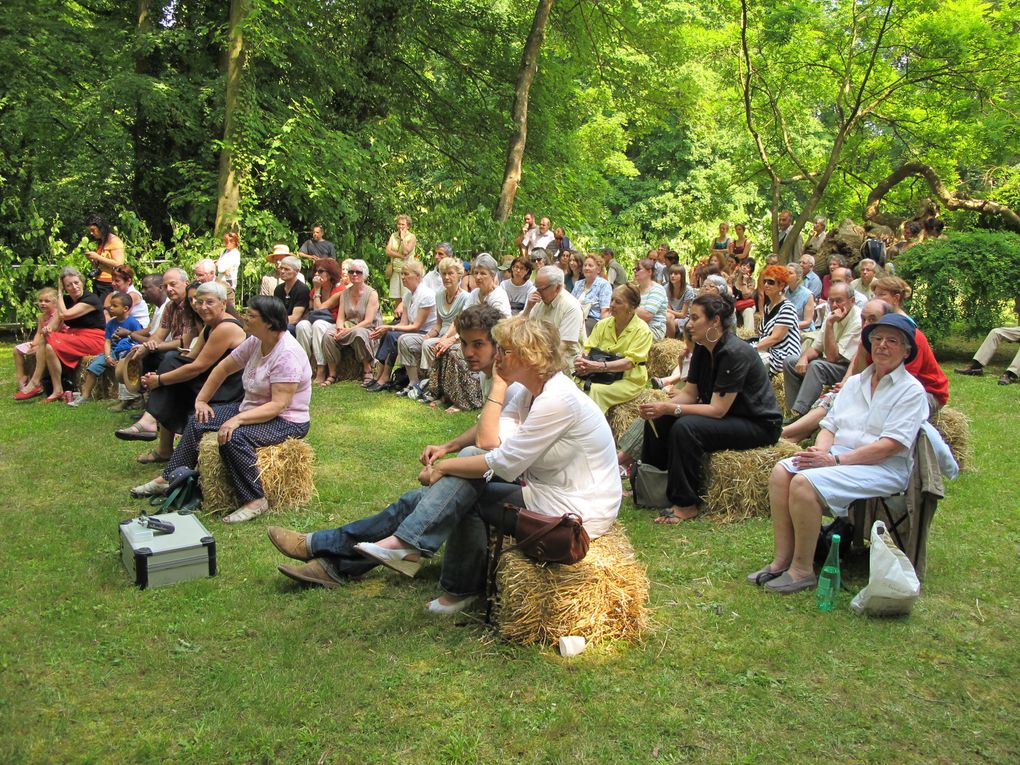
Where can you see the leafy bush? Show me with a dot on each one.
(970, 277)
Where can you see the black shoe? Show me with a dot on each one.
(971, 371)
(1008, 378)
(375, 387)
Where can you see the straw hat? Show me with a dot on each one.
(280, 251)
(129, 374)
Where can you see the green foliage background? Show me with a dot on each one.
(356, 110)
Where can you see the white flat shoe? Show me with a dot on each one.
(435, 607)
(390, 558)
(243, 514)
(153, 488)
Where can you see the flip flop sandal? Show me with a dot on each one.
(135, 433)
(151, 458)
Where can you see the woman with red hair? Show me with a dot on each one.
(779, 338)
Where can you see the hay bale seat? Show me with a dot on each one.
(622, 415)
(604, 597)
(737, 482)
(106, 386)
(348, 368)
(955, 429)
(779, 389)
(285, 469)
(663, 357)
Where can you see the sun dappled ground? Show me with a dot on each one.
(247, 667)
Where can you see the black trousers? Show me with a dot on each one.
(684, 442)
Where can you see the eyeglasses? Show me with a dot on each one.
(501, 351)
(885, 340)
(543, 289)
(320, 271)
(355, 273)
(770, 282)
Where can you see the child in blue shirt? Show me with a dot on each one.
(119, 309)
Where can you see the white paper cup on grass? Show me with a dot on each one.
(571, 645)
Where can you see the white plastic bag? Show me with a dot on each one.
(893, 585)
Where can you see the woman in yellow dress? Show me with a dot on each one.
(621, 334)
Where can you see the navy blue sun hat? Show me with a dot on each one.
(902, 323)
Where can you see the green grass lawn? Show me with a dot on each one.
(247, 667)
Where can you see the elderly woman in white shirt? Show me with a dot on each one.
(562, 448)
(863, 450)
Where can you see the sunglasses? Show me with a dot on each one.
(320, 271)
(355, 273)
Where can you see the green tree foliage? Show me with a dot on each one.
(970, 278)
(352, 111)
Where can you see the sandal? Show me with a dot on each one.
(327, 382)
(248, 512)
(669, 518)
(53, 398)
(135, 433)
(151, 458)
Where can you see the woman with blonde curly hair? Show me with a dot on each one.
(562, 448)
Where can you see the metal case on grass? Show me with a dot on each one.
(155, 559)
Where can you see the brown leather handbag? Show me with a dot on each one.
(548, 538)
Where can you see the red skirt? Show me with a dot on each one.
(72, 344)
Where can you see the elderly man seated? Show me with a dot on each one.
(552, 303)
(863, 450)
(986, 353)
(826, 360)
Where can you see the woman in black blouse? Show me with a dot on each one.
(76, 330)
(727, 403)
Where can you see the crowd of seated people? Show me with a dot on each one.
(549, 342)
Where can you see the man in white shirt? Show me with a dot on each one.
(525, 241)
(826, 360)
(433, 280)
(550, 302)
(544, 238)
(811, 279)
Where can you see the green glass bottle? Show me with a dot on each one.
(829, 579)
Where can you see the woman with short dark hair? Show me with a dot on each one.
(277, 390)
(727, 403)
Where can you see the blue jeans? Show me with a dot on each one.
(456, 509)
(464, 562)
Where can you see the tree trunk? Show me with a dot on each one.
(146, 204)
(951, 200)
(519, 112)
(228, 197)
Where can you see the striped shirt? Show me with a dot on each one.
(654, 301)
(782, 315)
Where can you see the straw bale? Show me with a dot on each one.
(603, 597)
(106, 385)
(663, 357)
(622, 415)
(348, 368)
(746, 333)
(780, 391)
(737, 482)
(955, 429)
(285, 468)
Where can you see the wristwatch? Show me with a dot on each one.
(678, 411)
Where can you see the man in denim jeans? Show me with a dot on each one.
(422, 518)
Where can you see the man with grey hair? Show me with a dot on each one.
(550, 302)
(433, 280)
(827, 359)
(166, 337)
(205, 270)
(817, 235)
(846, 276)
(811, 279)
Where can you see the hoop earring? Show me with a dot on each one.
(716, 339)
